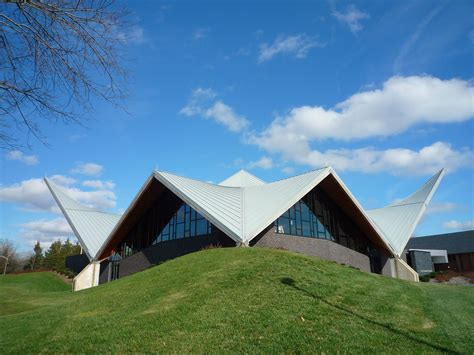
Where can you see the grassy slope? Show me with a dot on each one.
(242, 299)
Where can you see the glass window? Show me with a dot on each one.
(316, 215)
(179, 230)
(307, 229)
(201, 227)
(180, 215)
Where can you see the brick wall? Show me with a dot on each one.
(322, 248)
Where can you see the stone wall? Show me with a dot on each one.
(322, 248)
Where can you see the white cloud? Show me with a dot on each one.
(90, 169)
(62, 180)
(459, 225)
(199, 98)
(297, 45)
(414, 38)
(352, 18)
(20, 156)
(200, 33)
(441, 207)
(53, 227)
(288, 170)
(397, 161)
(46, 231)
(226, 116)
(262, 163)
(134, 35)
(34, 195)
(201, 103)
(99, 184)
(401, 103)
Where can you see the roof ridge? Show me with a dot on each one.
(307, 172)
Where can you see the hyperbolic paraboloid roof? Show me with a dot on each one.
(91, 227)
(399, 220)
(242, 206)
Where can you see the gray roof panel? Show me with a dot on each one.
(398, 220)
(90, 227)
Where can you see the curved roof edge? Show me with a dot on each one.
(91, 227)
(398, 220)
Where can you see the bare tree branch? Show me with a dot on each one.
(56, 58)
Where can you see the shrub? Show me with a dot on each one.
(425, 278)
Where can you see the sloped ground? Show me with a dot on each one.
(237, 300)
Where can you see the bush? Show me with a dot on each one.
(425, 278)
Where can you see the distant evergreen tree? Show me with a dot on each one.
(38, 257)
(55, 256)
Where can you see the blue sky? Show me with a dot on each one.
(382, 91)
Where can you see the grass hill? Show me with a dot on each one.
(236, 300)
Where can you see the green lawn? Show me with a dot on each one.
(237, 300)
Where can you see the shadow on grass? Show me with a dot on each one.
(290, 282)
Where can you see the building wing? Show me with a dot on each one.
(90, 227)
(398, 220)
(265, 203)
(220, 205)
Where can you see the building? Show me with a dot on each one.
(452, 251)
(312, 213)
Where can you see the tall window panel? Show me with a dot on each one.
(316, 216)
(152, 228)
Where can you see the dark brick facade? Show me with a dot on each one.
(322, 248)
(163, 251)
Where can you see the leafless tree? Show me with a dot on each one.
(57, 58)
(8, 250)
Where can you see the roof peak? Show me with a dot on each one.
(242, 178)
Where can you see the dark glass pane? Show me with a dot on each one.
(283, 225)
(179, 230)
(292, 228)
(201, 227)
(188, 223)
(305, 212)
(172, 234)
(180, 215)
(306, 229)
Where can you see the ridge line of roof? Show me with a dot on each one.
(391, 206)
(95, 211)
(242, 187)
(201, 181)
(307, 172)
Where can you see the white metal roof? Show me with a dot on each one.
(265, 203)
(221, 205)
(242, 179)
(243, 205)
(90, 227)
(399, 219)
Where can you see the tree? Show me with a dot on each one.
(36, 260)
(55, 256)
(8, 250)
(56, 56)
